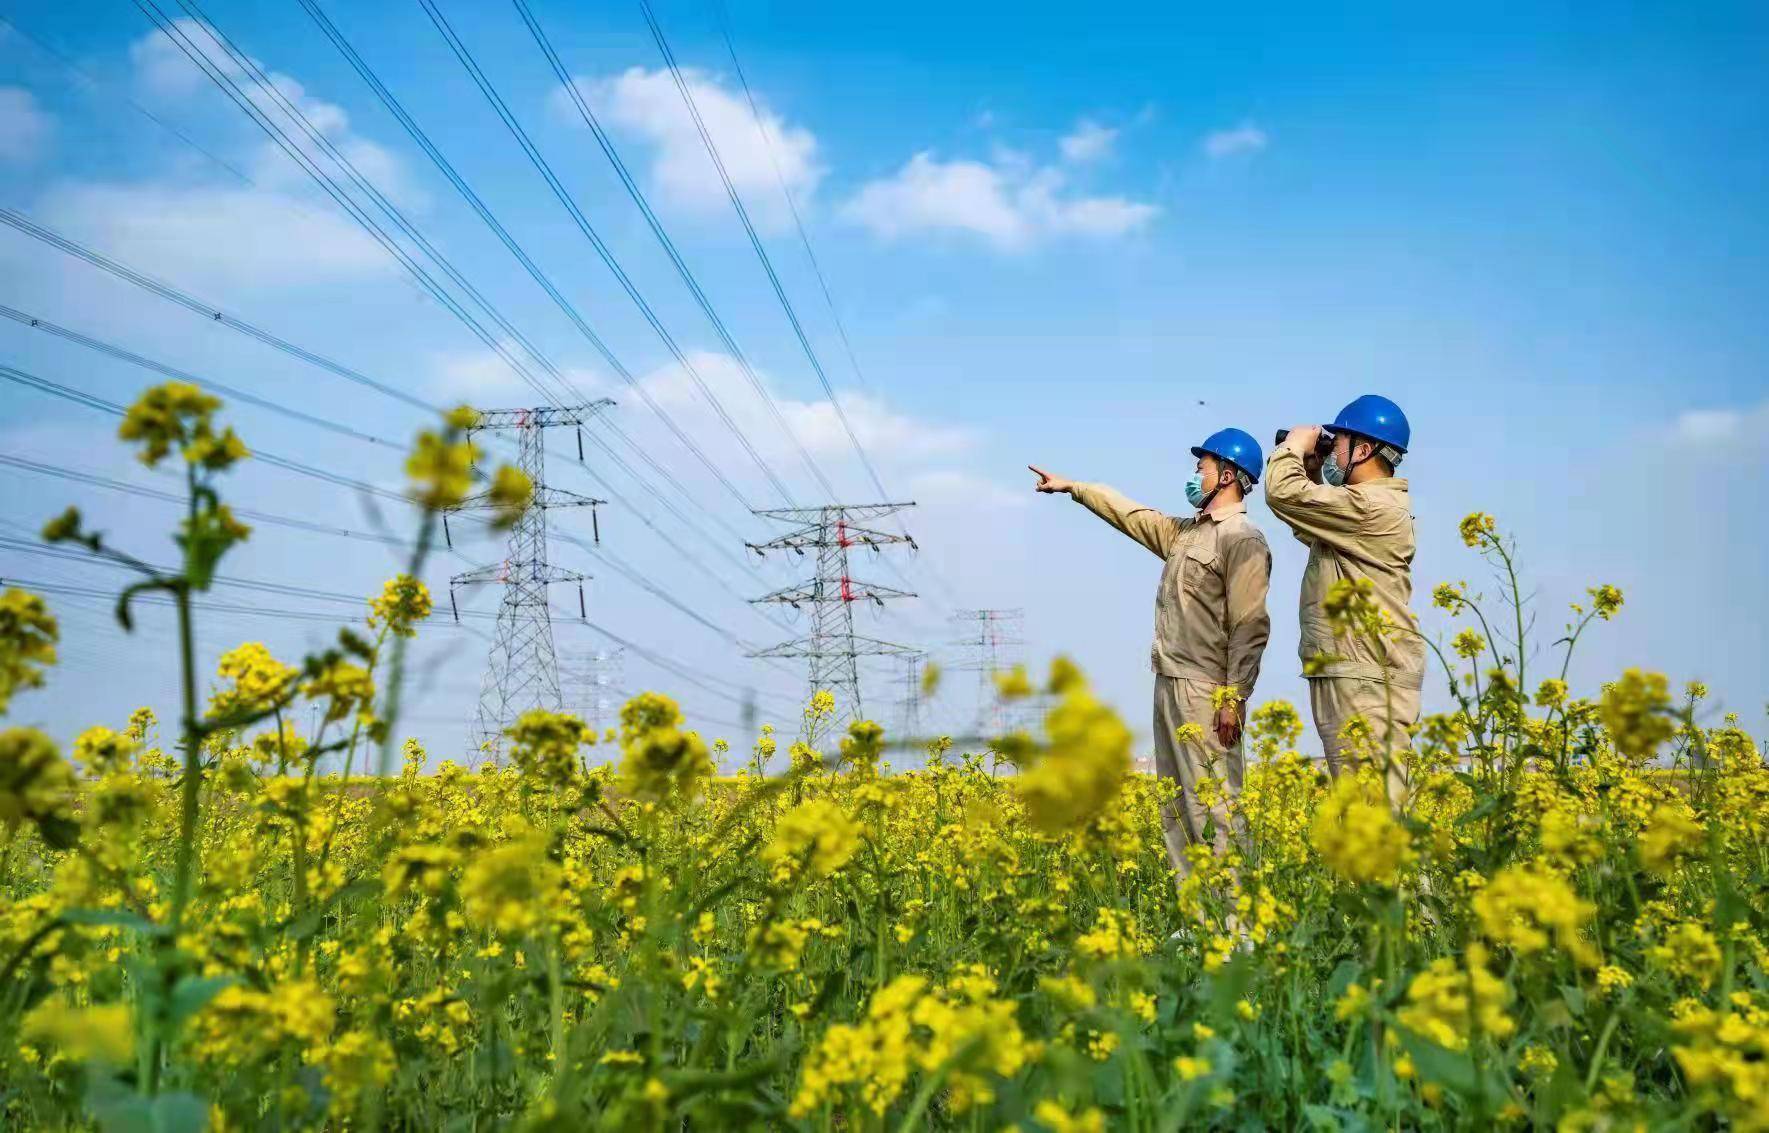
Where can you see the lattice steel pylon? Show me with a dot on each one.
(522, 670)
(591, 685)
(910, 703)
(832, 648)
(991, 643)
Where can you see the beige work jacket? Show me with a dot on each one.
(1210, 618)
(1355, 532)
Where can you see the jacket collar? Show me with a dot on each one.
(1222, 513)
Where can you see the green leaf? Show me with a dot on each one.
(1343, 977)
(114, 918)
(120, 1110)
(193, 993)
(1229, 985)
(1574, 998)
(59, 833)
(180, 1113)
(1453, 1070)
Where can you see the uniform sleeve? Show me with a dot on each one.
(1247, 572)
(1315, 512)
(1146, 525)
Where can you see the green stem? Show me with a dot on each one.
(396, 676)
(190, 795)
(923, 1097)
(1609, 1026)
(556, 1002)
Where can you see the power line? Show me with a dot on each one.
(208, 311)
(262, 119)
(179, 375)
(767, 262)
(663, 238)
(85, 76)
(786, 190)
(545, 282)
(625, 570)
(686, 673)
(213, 314)
(147, 363)
(68, 393)
(756, 242)
(93, 480)
(604, 253)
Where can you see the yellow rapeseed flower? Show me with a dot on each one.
(404, 601)
(1356, 833)
(104, 1033)
(180, 415)
(1451, 996)
(28, 634)
(817, 834)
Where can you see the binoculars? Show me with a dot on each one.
(1323, 442)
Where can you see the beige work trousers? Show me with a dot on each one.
(1389, 710)
(1184, 817)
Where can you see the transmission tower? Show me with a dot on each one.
(832, 648)
(522, 671)
(909, 704)
(590, 685)
(991, 644)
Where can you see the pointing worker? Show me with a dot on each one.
(1357, 522)
(1211, 623)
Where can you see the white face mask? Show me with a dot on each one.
(1331, 473)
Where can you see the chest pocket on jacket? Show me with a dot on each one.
(1198, 566)
(1200, 563)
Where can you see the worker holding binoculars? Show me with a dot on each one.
(1211, 626)
(1335, 486)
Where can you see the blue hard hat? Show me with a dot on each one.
(1236, 447)
(1375, 417)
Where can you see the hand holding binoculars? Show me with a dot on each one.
(1323, 442)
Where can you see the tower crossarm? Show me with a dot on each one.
(848, 590)
(851, 512)
(516, 571)
(809, 647)
(540, 417)
(544, 497)
(819, 536)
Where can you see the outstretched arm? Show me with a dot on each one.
(1146, 525)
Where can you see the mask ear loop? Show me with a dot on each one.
(1351, 452)
(1205, 506)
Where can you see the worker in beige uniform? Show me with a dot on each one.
(1211, 623)
(1356, 519)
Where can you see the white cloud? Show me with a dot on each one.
(1721, 426)
(898, 443)
(943, 486)
(815, 423)
(215, 235)
(1089, 141)
(165, 71)
(483, 378)
(227, 235)
(647, 105)
(1010, 203)
(1245, 138)
(24, 126)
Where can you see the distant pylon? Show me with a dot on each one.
(590, 685)
(522, 671)
(832, 647)
(991, 643)
(909, 704)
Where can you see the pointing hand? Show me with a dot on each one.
(1050, 483)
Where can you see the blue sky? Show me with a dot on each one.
(1049, 240)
